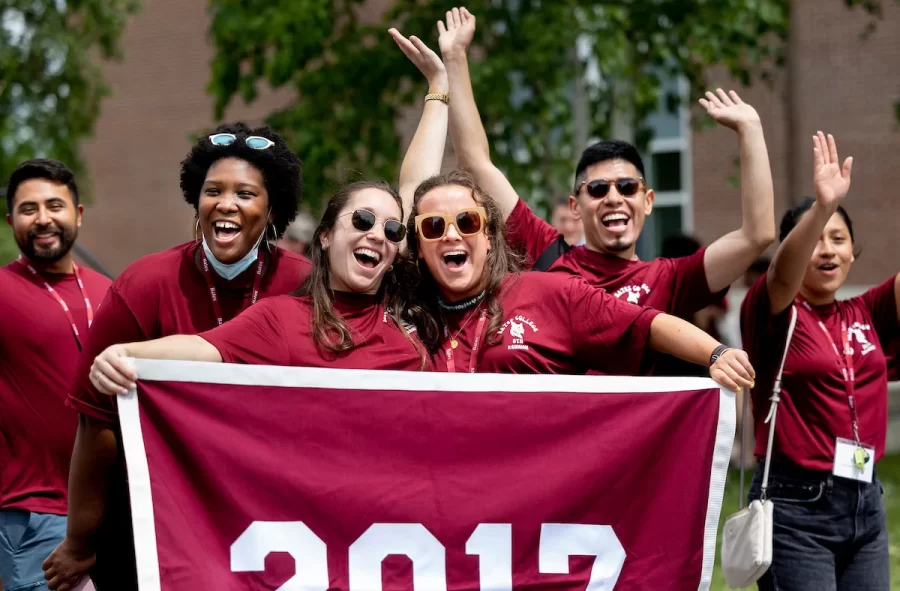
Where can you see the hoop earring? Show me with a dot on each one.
(274, 235)
(197, 231)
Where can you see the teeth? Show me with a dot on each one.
(614, 216)
(454, 252)
(227, 226)
(368, 252)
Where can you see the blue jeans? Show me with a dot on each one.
(26, 540)
(829, 533)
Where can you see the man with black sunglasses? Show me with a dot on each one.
(612, 199)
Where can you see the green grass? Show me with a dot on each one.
(888, 473)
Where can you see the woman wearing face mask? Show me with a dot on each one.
(484, 316)
(340, 317)
(829, 520)
(244, 184)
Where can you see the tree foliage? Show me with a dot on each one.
(351, 81)
(51, 82)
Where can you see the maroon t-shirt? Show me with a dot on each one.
(675, 286)
(161, 294)
(552, 323)
(279, 331)
(164, 294)
(38, 353)
(814, 407)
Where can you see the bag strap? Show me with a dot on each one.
(776, 398)
(773, 411)
(556, 249)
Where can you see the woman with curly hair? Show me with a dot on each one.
(244, 184)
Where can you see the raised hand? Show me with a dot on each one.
(424, 59)
(456, 35)
(832, 182)
(729, 110)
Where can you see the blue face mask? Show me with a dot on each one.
(232, 270)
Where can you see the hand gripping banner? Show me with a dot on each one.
(260, 478)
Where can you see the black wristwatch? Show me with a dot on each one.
(718, 352)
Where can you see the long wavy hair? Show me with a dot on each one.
(329, 329)
(501, 261)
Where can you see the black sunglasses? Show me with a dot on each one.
(364, 220)
(599, 188)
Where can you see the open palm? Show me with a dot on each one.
(456, 35)
(728, 109)
(831, 180)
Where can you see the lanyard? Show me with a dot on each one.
(217, 309)
(451, 366)
(845, 362)
(62, 303)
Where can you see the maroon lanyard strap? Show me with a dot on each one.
(845, 363)
(207, 274)
(451, 366)
(87, 301)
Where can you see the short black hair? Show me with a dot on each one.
(793, 215)
(41, 168)
(280, 167)
(679, 245)
(608, 150)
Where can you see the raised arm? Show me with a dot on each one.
(426, 150)
(470, 141)
(726, 259)
(112, 373)
(832, 182)
(674, 336)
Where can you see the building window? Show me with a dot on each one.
(667, 163)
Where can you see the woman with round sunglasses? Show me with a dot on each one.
(829, 528)
(342, 317)
(244, 185)
(482, 315)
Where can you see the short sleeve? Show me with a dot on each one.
(690, 288)
(114, 324)
(529, 234)
(256, 336)
(760, 331)
(881, 303)
(609, 335)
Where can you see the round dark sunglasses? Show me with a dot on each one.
(599, 188)
(364, 220)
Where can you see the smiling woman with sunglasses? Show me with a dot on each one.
(243, 184)
(482, 315)
(339, 318)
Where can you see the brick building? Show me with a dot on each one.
(836, 82)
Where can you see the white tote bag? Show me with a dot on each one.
(747, 535)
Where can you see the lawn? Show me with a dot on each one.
(888, 472)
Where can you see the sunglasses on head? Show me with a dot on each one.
(433, 226)
(599, 188)
(253, 141)
(364, 220)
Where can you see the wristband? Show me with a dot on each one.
(438, 96)
(718, 352)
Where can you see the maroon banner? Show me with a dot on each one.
(308, 479)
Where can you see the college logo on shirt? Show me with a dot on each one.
(516, 328)
(633, 292)
(856, 332)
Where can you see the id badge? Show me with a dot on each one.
(853, 461)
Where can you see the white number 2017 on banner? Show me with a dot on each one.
(491, 542)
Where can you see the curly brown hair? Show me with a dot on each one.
(501, 261)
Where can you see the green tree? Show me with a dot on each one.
(351, 82)
(51, 82)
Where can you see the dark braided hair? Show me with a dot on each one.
(280, 167)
